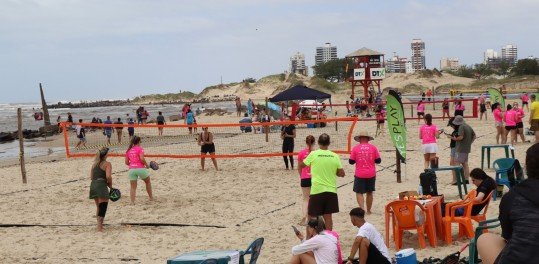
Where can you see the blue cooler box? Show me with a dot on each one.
(310, 125)
(406, 256)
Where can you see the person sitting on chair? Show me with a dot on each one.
(485, 185)
(519, 219)
(368, 242)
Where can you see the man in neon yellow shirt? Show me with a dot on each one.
(534, 117)
(325, 167)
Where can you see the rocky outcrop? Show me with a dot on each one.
(29, 134)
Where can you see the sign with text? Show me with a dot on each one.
(359, 74)
(375, 60)
(378, 73)
(396, 123)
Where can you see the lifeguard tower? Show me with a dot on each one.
(368, 69)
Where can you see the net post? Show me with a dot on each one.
(266, 128)
(475, 105)
(66, 142)
(21, 145)
(336, 123)
(398, 162)
(412, 110)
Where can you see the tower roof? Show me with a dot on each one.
(364, 52)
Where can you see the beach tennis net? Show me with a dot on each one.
(234, 140)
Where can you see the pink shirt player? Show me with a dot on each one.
(510, 118)
(497, 115)
(525, 98)
(134, 157)
(421, 108)
(428, 133)
(365, 154)
(519, 114)
(305, 172)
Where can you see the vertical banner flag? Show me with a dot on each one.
(496, 97)
(396, 122)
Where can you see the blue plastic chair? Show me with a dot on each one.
(502, 167)
(484, 225)
(253, 250)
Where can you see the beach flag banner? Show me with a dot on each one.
(396, 122)
(496, 97)
(232, 140)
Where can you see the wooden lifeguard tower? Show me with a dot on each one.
(368, 69)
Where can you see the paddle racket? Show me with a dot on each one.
(455, 257)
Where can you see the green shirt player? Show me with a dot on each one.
(326, 166)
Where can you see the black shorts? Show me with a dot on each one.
(459, 112)
(508, 128)
(305, 182)
(520, 125)
(160, 123)
(208, 148)
(420, 114)
(483, 108)
(323, 203)
(375, 256)
(524, 103)
(131, 133)
(380, 121)
(364, 185)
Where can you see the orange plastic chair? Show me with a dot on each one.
(465, 221)
(482, 216)
(404, 219)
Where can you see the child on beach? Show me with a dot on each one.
(81, 134)
(101, 176)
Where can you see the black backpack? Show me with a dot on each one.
(428, 182)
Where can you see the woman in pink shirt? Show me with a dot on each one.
(525, 100)
(459, 108)
(420, 110)
(510, 125)
(428, 134)
(520, 124)
(305, 177)
(498, 121)
(138, 168)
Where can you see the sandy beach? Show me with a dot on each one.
(227, 209)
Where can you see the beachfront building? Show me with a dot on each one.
(297, 64)
(418, 54)
(408, 67)
(325, 53)
(488, 55)
(396, 64)
(509, 53)
(449, 64)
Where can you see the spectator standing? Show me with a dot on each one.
(465, 138)
(365, 156)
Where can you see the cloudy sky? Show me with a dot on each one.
(117, 49)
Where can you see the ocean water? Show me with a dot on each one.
(8, 121)
(8, 113)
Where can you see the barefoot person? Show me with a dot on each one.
(483, 106)
(319, 247)
(205, 141)
(420, 110)
(520, 125)
(326, 166)
(428, 134)
(160, 123)
(368, 243)
(138, 168)
(365, 156)
(534, 117)
(519, 219)
(510, 117)
(498, 121)
(81, 134)
(119, 129)
(466, 136)
(305, 177)
(288, 134)
(101, 176)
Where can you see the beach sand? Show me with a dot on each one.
(248, 198)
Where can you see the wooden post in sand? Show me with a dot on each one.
(21, 145)
(46, 117)
(398, 162)
(266, 128)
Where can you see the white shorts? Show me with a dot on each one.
(429, 148)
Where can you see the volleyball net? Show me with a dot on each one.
(233, 140)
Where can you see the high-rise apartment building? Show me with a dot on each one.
(449, 64)
(418, 54)
(297, 64)
(489, 55)
(509, 53)
(396, 64)
(325, 53)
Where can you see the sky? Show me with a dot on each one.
(119, 49)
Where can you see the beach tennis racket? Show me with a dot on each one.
(115, 194)
(455, 257)
(154, 165)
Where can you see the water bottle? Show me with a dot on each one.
(420, 190)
